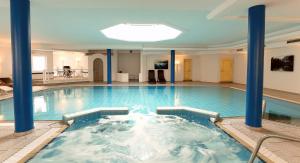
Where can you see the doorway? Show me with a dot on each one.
(98, 70)
(226, 70)
(187, 69)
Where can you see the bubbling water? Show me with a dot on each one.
(142, 138)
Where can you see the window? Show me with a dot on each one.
(39, 63)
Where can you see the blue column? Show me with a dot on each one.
(108, 51)
(172, 66)
(22, 77)
(256, 39)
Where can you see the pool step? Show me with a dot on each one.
(102, 111)
(214, 116)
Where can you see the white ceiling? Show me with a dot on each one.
(75, 24)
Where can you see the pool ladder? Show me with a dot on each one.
(262, 139)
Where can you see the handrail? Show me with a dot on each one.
(262, 139)
(49, 76)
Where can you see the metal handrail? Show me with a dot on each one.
(262, 139)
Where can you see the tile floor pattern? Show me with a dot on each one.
(15, 148)
(273, 149)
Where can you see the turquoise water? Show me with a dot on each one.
(144, 138)
(52, 104)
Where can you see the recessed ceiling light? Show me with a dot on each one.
(141, 32)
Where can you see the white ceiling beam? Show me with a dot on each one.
(268, 19)
(219, 9)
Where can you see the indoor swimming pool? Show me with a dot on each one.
(53, 103)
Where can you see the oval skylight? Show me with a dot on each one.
(141, 32)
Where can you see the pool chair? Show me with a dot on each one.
(67, 71)
(161, 76)
(6, 81)
(5, 89)
(151, 77)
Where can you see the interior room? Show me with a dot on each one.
(150, 81)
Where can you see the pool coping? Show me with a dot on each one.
(100, 110)
(164, 110)
(264, 153)
(33, 148)
(30, 150)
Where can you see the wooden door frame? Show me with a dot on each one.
(221, 62)
(101, 69)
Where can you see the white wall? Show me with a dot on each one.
(5, 61)
(210, 67)
(129, 63)
(285, 81)
(240, 68)
(114, 67)
(47, 54)
(53, 60)
(204, 67)
(148, 64)
(77, 60)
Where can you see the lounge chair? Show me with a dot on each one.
(67, 72)
(161, 76)
(6, 81)
(5, 89)
(151, 77)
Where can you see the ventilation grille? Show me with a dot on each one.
(91, 52)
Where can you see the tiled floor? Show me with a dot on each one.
(16, 148)
(273, 149)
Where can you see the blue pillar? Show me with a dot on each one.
(22, 77)
(108, 51)
(172, 66)
(256, 39)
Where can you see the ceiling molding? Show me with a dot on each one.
(281, 34)
(274, 19)
(274, 39)
(219, 9)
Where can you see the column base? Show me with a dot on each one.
(18, 134)
(255, 128)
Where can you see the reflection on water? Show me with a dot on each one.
(143, 138)
(39, 104)
(52, 104)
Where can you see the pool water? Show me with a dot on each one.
(143, 138)
(52, 104)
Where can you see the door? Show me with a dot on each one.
(226, 70)
(98, 70)
(188, 70)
